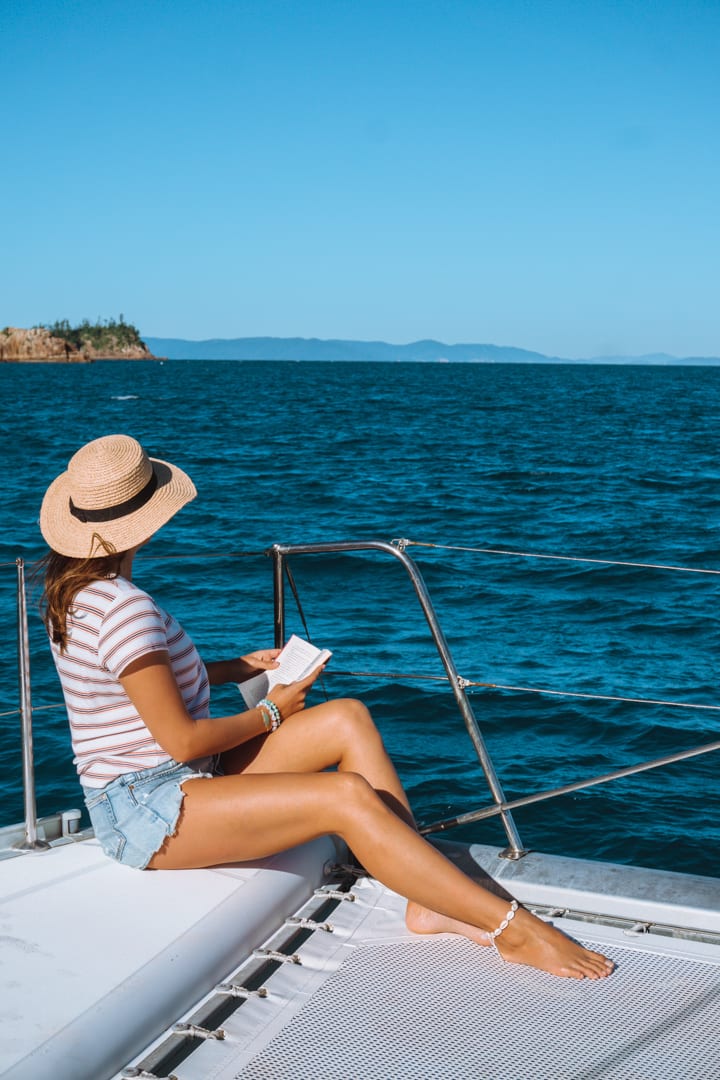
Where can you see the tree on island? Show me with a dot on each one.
(109, 334)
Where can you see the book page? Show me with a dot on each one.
(297, 659)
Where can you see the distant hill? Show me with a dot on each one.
(276, 348)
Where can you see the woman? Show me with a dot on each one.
(168, 787)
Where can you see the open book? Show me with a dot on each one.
(296, 661)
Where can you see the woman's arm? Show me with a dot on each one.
(150, 684)
(242, 667)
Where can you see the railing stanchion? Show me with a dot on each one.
(279, 596)
(30, 842)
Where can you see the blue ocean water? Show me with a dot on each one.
(597, 462)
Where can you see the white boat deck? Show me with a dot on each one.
(366, 999)
(96, 959)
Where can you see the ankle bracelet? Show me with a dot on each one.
(504, 924)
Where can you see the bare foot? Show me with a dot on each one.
(529, 940)
(422, 920)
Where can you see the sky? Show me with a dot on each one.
(544, 175)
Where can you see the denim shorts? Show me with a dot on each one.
(134, 814)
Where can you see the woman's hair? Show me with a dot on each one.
(64, 576)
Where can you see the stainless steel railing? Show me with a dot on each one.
(280, 552)
(500, 807)
(280, 555)
(30, 841)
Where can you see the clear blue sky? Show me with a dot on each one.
(545, 175)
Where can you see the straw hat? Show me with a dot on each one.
(112, 492)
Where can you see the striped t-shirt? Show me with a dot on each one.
(110, 624)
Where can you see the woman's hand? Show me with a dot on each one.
(290, 697)
(242, 667)
(263, 660)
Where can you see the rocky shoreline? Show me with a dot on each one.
(40, 346)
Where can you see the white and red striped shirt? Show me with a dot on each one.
(110, 624)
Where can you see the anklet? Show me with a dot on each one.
(503, 926)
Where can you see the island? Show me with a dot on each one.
(61, 343)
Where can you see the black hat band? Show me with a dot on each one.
(110, 513)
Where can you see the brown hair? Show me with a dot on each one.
(64, 577)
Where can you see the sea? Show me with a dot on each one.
(565, 519)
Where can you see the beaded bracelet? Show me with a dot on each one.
(273, 712)
(266, 717)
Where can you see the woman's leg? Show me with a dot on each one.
(337, 733)
(342, 733)
(230, 818)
